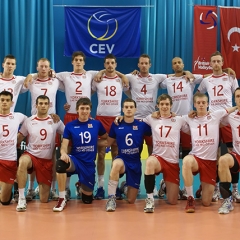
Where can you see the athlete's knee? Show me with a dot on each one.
(61, 166)
(87, 199)
(5, 203)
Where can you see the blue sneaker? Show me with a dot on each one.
(118, 194)
(99, 194)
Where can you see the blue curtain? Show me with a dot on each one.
(27, 33)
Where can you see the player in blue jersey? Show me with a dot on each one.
(129, 135)
(83, 133)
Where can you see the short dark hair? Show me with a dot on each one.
(129, 100)
(144, 55)
(78, 53)
(200, 95)
(83, 101)
(42, 97)
(10, 56)
(236, 90)
(111, 56)
(7, 93)
(217, 53)
(164, 97)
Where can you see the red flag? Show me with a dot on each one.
(230, 38)
(205, 38)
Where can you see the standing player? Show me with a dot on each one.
(48, 86)
(9, 124)
(165, 157)
(83, 132)
(129, 137)
(202, 159)
(230, 162)
(41, 132)
(109, 92)
(220, 88)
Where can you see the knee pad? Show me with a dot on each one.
(61, 166)
(9, 201)
(87, 199)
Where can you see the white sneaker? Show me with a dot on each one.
(53, 195)
(68, 194)
(111, 204)
(30, 194)
(161, 192)
(227, 206)
(216, 195)
(22, 205)
(149, 207)
(37, 191)
(236, 196)
(60, 205)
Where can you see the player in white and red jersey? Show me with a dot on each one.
(41, 132)
(220, 88)
(9, 125)
(230, 162)
(165, 157)
(10, 82)
(109, 92)
(203, 157)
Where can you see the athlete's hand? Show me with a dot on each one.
(118, 120)
(135, 72)
(65, 158)
(125, 82)
(192, 114)
(28, 80)
(230, 72)
(66, 106)
(156, 114)
(55, 117)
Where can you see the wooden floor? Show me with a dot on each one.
(79, 221)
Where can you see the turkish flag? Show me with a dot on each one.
(230, 38)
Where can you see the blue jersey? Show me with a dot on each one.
(84, 137)
(129, 138)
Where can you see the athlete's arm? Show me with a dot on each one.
(20, 138)
(110, 141)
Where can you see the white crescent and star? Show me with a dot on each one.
(230, 32)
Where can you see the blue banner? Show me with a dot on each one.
(101, 31)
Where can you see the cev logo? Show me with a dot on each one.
(106, 29)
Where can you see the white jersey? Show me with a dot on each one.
(220, 90)
(41, 135)
(144, 91)
(205, 134)
(166, 136)
(109, 92)
(46, 87)
(77, 85)
(9, 125)
(13, 85)
(181, 92)
(234, 120)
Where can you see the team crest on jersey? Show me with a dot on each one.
(209, 117)
(90, 125)
(13, 82)
(173, 120)
(135, 127)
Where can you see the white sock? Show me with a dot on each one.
(21, 192)
(189, 191)
(62, 194)
(100, 181)
(150, 195)
(112, 186)
(30, 185)
(67, 182)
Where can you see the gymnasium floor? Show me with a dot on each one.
(79, 221)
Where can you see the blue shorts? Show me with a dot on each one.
(133, 171)
(85, 171)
